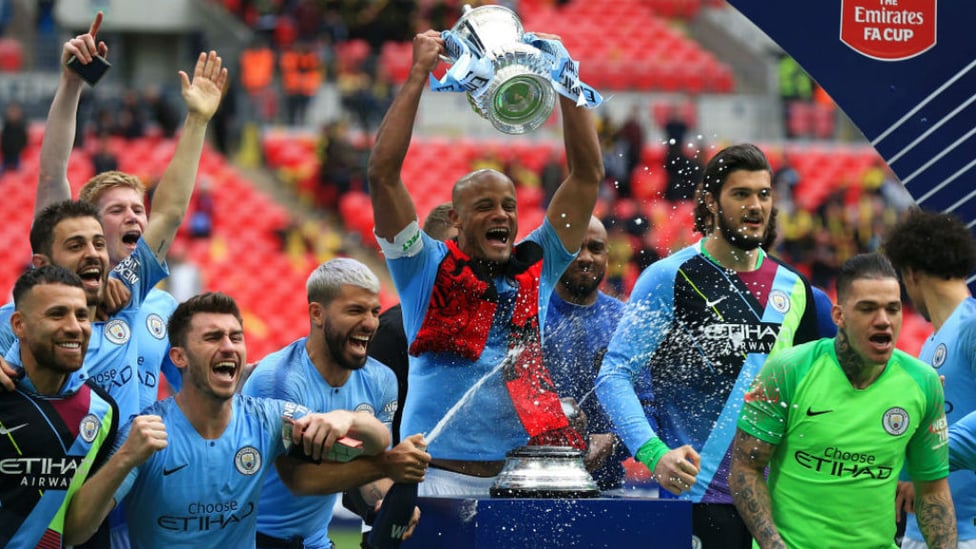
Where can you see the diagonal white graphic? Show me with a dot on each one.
(5, 431)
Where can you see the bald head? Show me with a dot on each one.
(486, 215)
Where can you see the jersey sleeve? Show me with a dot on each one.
(387, 405)
(928, 449)
(267, 382)
(140, 272)
(6, 331)
(764, 412)
(130, 478)
(644, 324)
(962, 444)
(283, 414)
(967, 335)
(414, 277)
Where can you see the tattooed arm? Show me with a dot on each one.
(935, 512)
(749, 490)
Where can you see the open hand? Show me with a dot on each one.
(203, 94)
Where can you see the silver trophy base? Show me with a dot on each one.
(544, 472)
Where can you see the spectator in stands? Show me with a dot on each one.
(163, 113)
(614, 159)
(675, 126)
(104, 158)
(226, 126)
(578, 327)
(795, 88)
(785, 180)
(553, 174)
(365, 95)
(461, 309)
(631, 136)
(684, 332)
(684, 172)
(880, 178)
(204, 206)
(301, 77)
(620, 252)
(131, 122)
(185, 277)
(13, 137)
(308, 16)
(329, 370)
(341, 162)
(257, 65)
(103, 124)
(520, 174)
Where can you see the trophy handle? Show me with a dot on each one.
(464, 11)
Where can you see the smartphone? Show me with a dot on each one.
(90, 72)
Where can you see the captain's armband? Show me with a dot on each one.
(407, 243)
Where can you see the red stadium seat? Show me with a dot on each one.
(11, 55)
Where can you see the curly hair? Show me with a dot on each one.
(934, 243)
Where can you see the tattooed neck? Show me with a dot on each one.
(859, 373)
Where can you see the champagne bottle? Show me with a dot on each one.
(394, 516)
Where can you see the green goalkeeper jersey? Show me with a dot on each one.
(833, 475)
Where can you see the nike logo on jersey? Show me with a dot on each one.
(167, 472)
(710, 304)
(5, 431)
(811, 413)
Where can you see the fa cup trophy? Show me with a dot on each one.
(511, 77)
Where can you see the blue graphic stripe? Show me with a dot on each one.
(720, 439)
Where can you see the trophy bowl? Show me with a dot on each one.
(544, 472)
(520, 96)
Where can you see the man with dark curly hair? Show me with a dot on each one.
(935, 253)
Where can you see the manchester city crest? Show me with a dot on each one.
(247, 461)
(156, 326)
(117, 331)
(938, 359)
(895, 421)
(88, 428)
(779, 300)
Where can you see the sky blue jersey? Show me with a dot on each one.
(204, 493)
(289, 374)
(952, 352)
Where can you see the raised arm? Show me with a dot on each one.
(92, 503)
(572, 204)
(935, 513)
(393, 208)
(749, 490)
(59, 132)
(172, 197)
